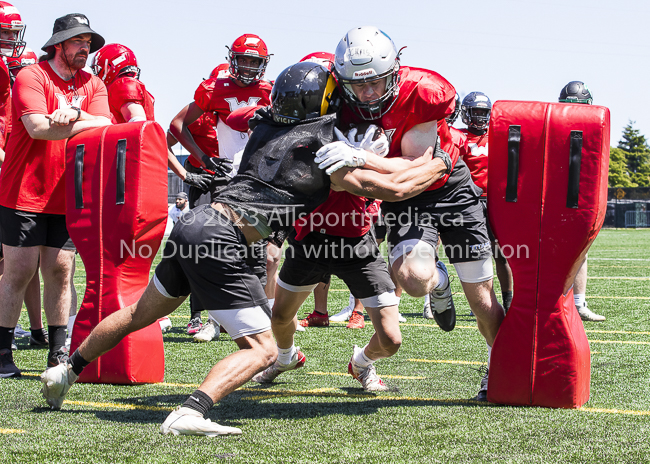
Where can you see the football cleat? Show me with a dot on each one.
(45, 340)
(356, 321)
(7, 366)
(345, 313)
(482, 392)
(366, 375)
(400, 318)
(194, 326)
(426, 309)
(208, 332)
(19, 332)
(588, 315)
(165, 324)
(186, 421)
(55, 358)
(315, 319)
(442, 303)
(57, 381)
(269, 374)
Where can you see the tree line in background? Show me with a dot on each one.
(629, 163)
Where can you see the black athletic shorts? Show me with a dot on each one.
(357, 261)
(27, 229)
(206, 255)
(462, 227)
(487, 219)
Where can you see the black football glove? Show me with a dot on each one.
(443, 155)
(200, 181)
(221, 166)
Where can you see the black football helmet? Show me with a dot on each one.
(451, 119)
(576, 92)
(304, 90)
(475, 110)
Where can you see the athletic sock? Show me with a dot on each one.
(286, 355)
(77, 362)
(443, 279)
(71, 324)
(579, 299)
(489, 355)
(57, 336)
(6, 337)
(199, 401)
(507, 300)
(360, 359)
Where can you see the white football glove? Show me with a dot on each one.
(337, 155)
(379, 147)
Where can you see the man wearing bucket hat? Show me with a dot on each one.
(52, 101)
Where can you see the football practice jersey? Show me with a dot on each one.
(475, 155)
(423, 96)
(32, 177)
(127, 89)
(5, 103)
(221, 95)
(204, 132)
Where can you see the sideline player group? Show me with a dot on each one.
(287, 154)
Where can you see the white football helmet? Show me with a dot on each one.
(367, 54)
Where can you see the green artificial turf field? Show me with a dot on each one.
(319, 414)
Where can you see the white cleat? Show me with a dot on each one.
(345, 314)
(186, 421)
(269, 374)
(57, 381)
(426, 309)
(401, 318)
(587, 314)
(366, 375)
(165, 324)
(208, 332)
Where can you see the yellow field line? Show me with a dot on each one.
(617, 332)
(627, 342)
(619, 297)
(7, 431)
(120, 406)
(384, 376)
(618, 278)
(446, 361)
(616, 411)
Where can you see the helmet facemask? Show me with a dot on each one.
(373, 109)
(13, 47)
(246, 74)
(478, 118)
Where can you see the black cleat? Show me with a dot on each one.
(54, 358)
(7, 366)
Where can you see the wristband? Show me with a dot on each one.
(78, 113)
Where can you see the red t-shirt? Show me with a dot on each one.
(204, 132)
(127, 89)
(32, 177)
(423, 96)
(343, 215)
(5, 103)
(222, 96)
(475, 155)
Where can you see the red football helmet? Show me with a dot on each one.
(12, 29)
(15, 64)
(323, 58)
(220, 71)
(248, 45)
(113, 60)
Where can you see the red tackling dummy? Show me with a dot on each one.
(547, 196)
(116, 196)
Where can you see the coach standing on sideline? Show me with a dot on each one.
(52, 101)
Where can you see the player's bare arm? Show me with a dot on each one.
(133, 112)
(415, 142)
(61, 124)
(395, 186)
(179, 129)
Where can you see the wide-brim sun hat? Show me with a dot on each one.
(71, 25)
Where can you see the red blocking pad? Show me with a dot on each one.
(116, 199)
(547, 196)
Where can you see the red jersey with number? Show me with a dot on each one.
(5, 103)
(222, 96)
(424, 96)
(475, 155)
(32, 177)
(127, 89)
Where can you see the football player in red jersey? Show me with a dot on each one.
(578, 92)
(411, 105)
(117, 66)
(475, 114)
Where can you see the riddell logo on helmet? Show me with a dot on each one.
(365, 73)
(252, 52)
